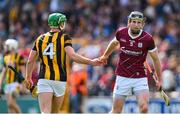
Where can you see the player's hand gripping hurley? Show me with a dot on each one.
(33, 89)
(163, 94)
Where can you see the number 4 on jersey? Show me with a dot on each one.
(49, 50)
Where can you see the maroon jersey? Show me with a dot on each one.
(133, 52)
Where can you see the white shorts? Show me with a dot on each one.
(10, 88)
(56, 87)
(128, 86)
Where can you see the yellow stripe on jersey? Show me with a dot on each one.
(62, 52)
(17, 61)
(12, 75)
(7, 60)
(45, 59)
(37, 43)
(55, 65)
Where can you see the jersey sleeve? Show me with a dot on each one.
(151, 47)
(34, 46)
(67, 40)
(118, 33)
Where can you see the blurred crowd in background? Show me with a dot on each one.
(92, 24)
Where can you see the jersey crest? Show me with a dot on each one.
(140, 45)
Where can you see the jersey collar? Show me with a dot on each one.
(133, 37)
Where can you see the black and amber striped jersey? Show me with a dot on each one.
(51, 50)
(16, 61)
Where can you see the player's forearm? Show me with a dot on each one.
(80, 59)
(157, 64)
(29, 69)
(23, 70)
(76, 57)
(30, 63)
(157, 67)
(111, 47)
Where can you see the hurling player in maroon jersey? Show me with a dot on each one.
(131, 76)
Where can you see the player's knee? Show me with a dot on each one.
(10, 105)
(46, 110)
(143, 108)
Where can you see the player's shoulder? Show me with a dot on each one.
(19, 54)
(122, 29)
(5, 59)
(147, 35)
(66, 36)
(6, 56)
(40, 37)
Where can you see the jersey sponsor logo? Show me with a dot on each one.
(130, 52)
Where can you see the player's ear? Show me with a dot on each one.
(62, 25)
(143, 24)
(129, 20)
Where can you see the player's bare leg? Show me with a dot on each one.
(143, 100)
(45, 101)
(12, 105)
(117, 106)
(57, 103)
(9, 101)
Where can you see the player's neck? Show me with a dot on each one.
(133, 36)
(55, 30)
(12, 52)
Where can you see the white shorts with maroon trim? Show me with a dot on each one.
(128, 86)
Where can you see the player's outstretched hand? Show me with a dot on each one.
(28, 83)
(158, 85)
(103, 59)
(97, 62)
